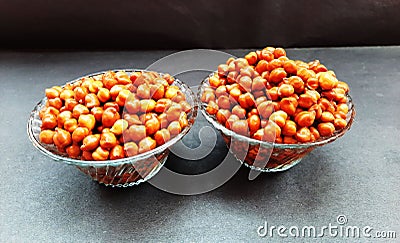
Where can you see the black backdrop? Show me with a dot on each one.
(131, 24)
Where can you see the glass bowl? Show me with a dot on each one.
(120, 172)
(269, 156)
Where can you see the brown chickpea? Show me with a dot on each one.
(222, 70)
(271, 131)
(273, 93)
(131, 149)
(285, 90)
(108, 140)
(147, 105)
(46, 136)
(239, 111)
(70, 125)
(66, 94)
(87, 121)
(52, 93)
(326, 128)
(306, 100)
(212, 108)
(235, 93)
(261, 99)
(143, 91)
(87, 155)
(290, 128)
(339, 123)
(114, 91)
(262, 66)
(185, 106)
(251, 58)
(97, 112)
(327, 116)
(119, 126)
(305, 73)
(146, 144)
(266, 54)
(303, 135)
(95, 86)
(90, 142)
(79, 134)
(289, 140)
(157, 91)
(254, 123)
(305, 118)
(62, 138)
(137, 132)
(222, 115)
(231, 119)
(279, 117)
(73, 151)
(277, 75)
(312, 83)
(80, 93)
(117, 152)
(344, 86)
(109, 117)
(162, 118)
(62, 117)
(49, 121)
(123, 96)
(340, 114)
(214, 81)
(70, 104)
(265, 109)
(206, 96)
(290, 66)
(288, 105)
(171, 92)
(162, 105)
(317, 110)
(232, 77)
(100, 154)
(327, 81)
(258, 83)
(326, 105)
(152, 126)
(56, 103)
(342, 108)
(245, 83)
(174, 111)
(259, 134)
(297, 83)
(174, 128)
(132, 119)
(162, 136)
(122, 77)
(274, 64)
(79, 110)
(183, 121)
(221, 90)
(91, 101)
(224, 102)
(314, 134)
(279, 52)
(241, 127)
(103, 95)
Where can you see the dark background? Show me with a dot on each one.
(178, 24)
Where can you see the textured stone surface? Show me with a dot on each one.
(45, 201)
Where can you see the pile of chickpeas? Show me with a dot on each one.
(113, 115)
(269, 97)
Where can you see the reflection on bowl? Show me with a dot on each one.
(123, 172)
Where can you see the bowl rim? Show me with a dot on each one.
(319, 142)
(116, 162)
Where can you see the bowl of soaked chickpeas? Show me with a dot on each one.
(115, 126)
(272, 111)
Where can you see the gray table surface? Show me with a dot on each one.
(356, 176)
